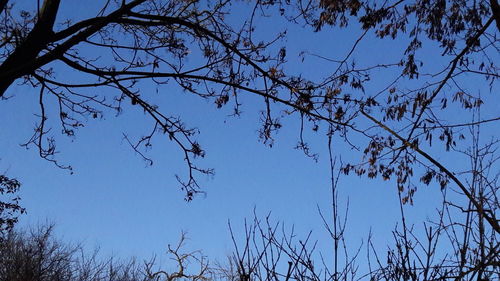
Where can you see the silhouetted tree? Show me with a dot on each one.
(37, 255)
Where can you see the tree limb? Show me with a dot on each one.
(24, 59)
(491, 220)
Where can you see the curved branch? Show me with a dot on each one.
(143, 75)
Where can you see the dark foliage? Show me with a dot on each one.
(9, 204)
(37, 255)
(195, 46)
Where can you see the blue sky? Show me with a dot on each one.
(127, 209)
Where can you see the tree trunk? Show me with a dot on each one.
(18, 63)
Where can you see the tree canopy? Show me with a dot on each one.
(203, 50)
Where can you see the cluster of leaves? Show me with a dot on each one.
(465, 33)
(9, 204)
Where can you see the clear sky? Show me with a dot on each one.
(114, 201)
